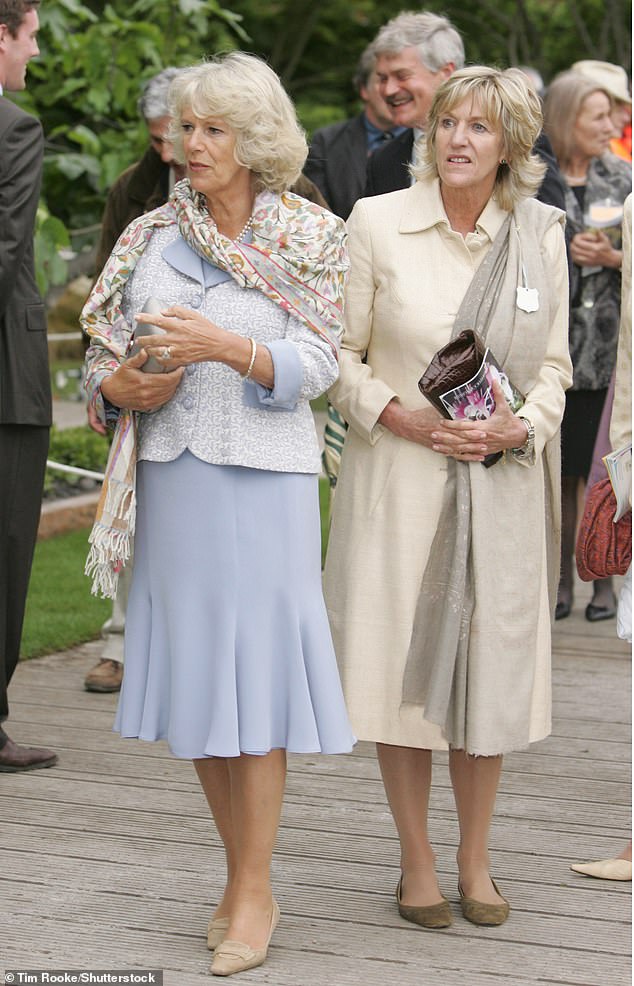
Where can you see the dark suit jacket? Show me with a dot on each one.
(337, 162)
(141, 187)
(387, 170)
(25, 389)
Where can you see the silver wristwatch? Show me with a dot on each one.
(527, 450)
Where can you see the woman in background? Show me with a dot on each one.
(577, 119)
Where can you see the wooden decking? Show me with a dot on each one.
(109, 861)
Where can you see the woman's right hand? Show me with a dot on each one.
(414, 426)
(427, 427)
(130, 388)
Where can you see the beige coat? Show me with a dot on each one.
(409, 273)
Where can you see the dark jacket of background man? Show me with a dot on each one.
(339, 153)
(139, 189)
(25, 390)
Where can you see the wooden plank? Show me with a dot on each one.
(100, 798)
(85, 862)
(515, 856)
(308, 951)
(110, 859)
(81, 762)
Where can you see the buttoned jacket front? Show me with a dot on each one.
(215, 414)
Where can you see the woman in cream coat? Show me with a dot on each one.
(409, 479)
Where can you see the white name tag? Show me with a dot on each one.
(528, 299)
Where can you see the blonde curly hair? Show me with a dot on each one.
(248, 96)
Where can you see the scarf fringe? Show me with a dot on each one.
(120, 502)
(111, 547)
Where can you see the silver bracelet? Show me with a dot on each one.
(254, 349)
(526, 450)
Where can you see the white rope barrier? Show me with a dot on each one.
(74, 469)
(63, 336)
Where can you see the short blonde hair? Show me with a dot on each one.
(564, 100)
(248, 96)
(511, 105)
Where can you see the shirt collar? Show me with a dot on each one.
(423, 209)
(182, 258)
(376, 133)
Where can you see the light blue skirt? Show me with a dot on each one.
(227, 643)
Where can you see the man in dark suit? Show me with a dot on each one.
(25, 395)
(339, 153)
(415, 53)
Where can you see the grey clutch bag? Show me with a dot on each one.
(153, 306)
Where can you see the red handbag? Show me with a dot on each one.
(603, 547)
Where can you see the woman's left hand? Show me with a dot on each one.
(190, 337)
(471, 441)
(594, 249)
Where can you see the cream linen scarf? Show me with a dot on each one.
(438, 673)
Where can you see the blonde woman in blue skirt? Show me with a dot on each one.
(228, 653)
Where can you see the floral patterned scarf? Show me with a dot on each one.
(297, 258)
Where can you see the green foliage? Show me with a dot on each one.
(95, 56)
(51, 239)
(324, 511)
(79, 447)
(315, 47)
(548, 34)
(86, 83)
(60, 610)
(66, 380)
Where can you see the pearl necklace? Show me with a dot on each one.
(248, 226)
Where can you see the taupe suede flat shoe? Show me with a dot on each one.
(236, 956)
(606, 869)
(483, 914)
(216, 931)
(432, 916)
